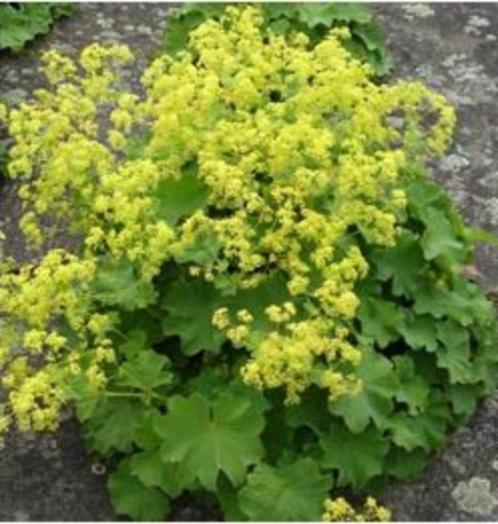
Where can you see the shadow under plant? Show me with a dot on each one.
(453, 49)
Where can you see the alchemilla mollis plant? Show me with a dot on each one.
(267, 305)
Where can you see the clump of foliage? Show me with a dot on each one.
(314, 20)
(268, 304)
(22, 22)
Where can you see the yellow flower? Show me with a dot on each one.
(340, 510)
(221, 319)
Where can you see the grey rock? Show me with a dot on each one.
(38, 484)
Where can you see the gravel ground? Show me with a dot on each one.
(451, 47)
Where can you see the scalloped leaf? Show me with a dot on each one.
(116, 284)
(130, 497)
(150, 469)
(210, 437)
(293, 492)
(21, 23)
(114, 424)
(357, 457)
(375, 401)
(146, 371)
(381, 320)
(190, 305)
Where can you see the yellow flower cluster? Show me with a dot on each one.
(290, 358)
(37, 400)
(36, 294)
(35, 301)
(292, 146)
(340, 510)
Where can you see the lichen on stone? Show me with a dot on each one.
(475, 496)
(417, 10)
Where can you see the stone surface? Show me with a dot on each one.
(51, 478)
(451, 47)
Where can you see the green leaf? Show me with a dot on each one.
(373, 45)
(312, 411)
(329, 13)
(352, 12)
(113, 425)
(455, 355)
(403, 464)
(479, 235)
(203, 250)
(380, 320)
(425, 431)
(146, 437)
(141, 329)
(278, 437)
(153, 472)
(409, 434)
(293, 492)
(136, 343)
(444, 228)
(146, 371)
(85, 398)
(403, 263)
(116, 284)
(420, 332)
(207, 438)
(130, 497)
(148, 467)
(438, 237)
(464, 398)
(213, 381)
(176, 198)
(316, 14)
(228, 497)
(23, 22)
(375, 402)
(276, 10)
(210, 382)
(357, 457)
(424, 194)
(413, 389)
(190, 305)
(458, 305)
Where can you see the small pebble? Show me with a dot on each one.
(98, 469)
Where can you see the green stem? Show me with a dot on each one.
(118, 394)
